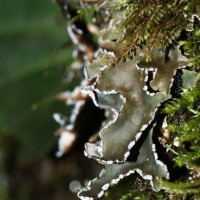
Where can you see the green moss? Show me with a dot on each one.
(183, 116)
(156, 22)
(187, 127)
(192, 46)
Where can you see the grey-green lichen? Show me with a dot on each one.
(131, 77)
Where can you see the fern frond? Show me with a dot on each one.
(159, 23)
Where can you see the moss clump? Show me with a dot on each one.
(187, 128)
(184, 126)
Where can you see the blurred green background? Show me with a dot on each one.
(32, 34)
(30, 74)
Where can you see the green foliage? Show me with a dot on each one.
(183, 117)
(157, 23)
(187, 127)
(192, 47)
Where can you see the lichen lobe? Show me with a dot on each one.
(135, 116)
(146, 165)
